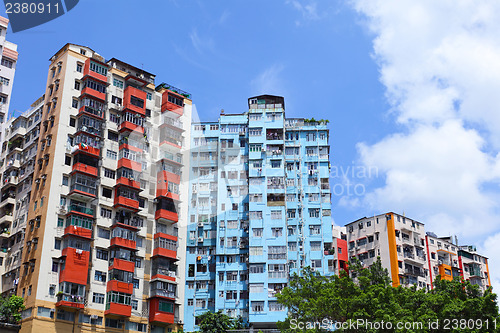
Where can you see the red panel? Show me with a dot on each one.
(155, 315)
(76, 266)
(130, 147)
(343, 245)
(159, 251)
(167, 236)
(88, 72)
(88, 150)
(119, 310)
(67, 304)
(168, 106)
(127, 182)
(83, 111)
(128, 126)
(167, 215)
(163, 192)
(81, 193)
(126, 202)
(93, 93)
(122, 287)
(78, 231)
(126, 163)
(131, 91)
(122, 265)
(169, 176)
(123, 242)
(84, 168)
(164, 277)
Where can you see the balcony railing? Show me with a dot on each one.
(83, 188)
(277, 275)
(162, 293)
(164, 271)
(81, 209)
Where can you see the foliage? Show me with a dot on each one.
(218, 322)
(367, 294)
(10, 309)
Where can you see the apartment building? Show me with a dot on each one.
(17, 167)
(411, 255)
(8, 64)
(259, 211)
(108, 197)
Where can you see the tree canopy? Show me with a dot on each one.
(10, 309)
(365, 301)
(218, 322)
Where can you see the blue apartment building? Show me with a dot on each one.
(259, 211)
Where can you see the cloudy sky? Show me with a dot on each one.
(411, 89)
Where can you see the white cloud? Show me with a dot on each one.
(308, 11)
(269, 81)
(440, 64)
(201, 44)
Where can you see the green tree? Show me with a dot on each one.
(367, 294)
(218, 322)
(10, 309)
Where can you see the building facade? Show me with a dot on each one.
(108, 197)
(411, 255)
(259, 211)
(18, 164)
(8, 64)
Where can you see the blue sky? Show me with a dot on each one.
(223, 53)
(410, 88)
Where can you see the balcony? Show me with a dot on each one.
(118, 309)
(126, 163)
(84, 168)
(128, 182)
(93, 93)
(162, 293)
(83, 148)
(163, 273)
(163, 214)
(122, 242)
(91, 111)
(277, 275)
(10, 180)
(119, 286)
(415, 272)
(122, 265)
(134, 100)
(82, 191)
(157, 316)
(90, 73)
(167, 253)
(78, 231)
(70, 301)
(88, 212)
(131, 127)
(128, 203)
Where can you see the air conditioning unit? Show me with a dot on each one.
(62, 210)
(263, 149)
(94, 316)
(195, 191)
(200, 239)
(200, 224)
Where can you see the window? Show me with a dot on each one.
(65, 180)
(77, 85)
(100, 276)
(113, 117)
(256, 251)
(55, 266)
(57, 244)
(101, 254)
(98, 298)
(103, 233)
(257, 306)
(7, 63)
(113, 136)
(276, 214)
(79, 67)
(277, 232)
(111, 154)
(60, 222)
(109, 173)
(316, 246)
(72, 122)
(257, 232)
(67, 160)
(65, 315)
(107, 192)
(106, 213)
(314, 229)
(116, 100)
(135, 283)
(118, 83)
